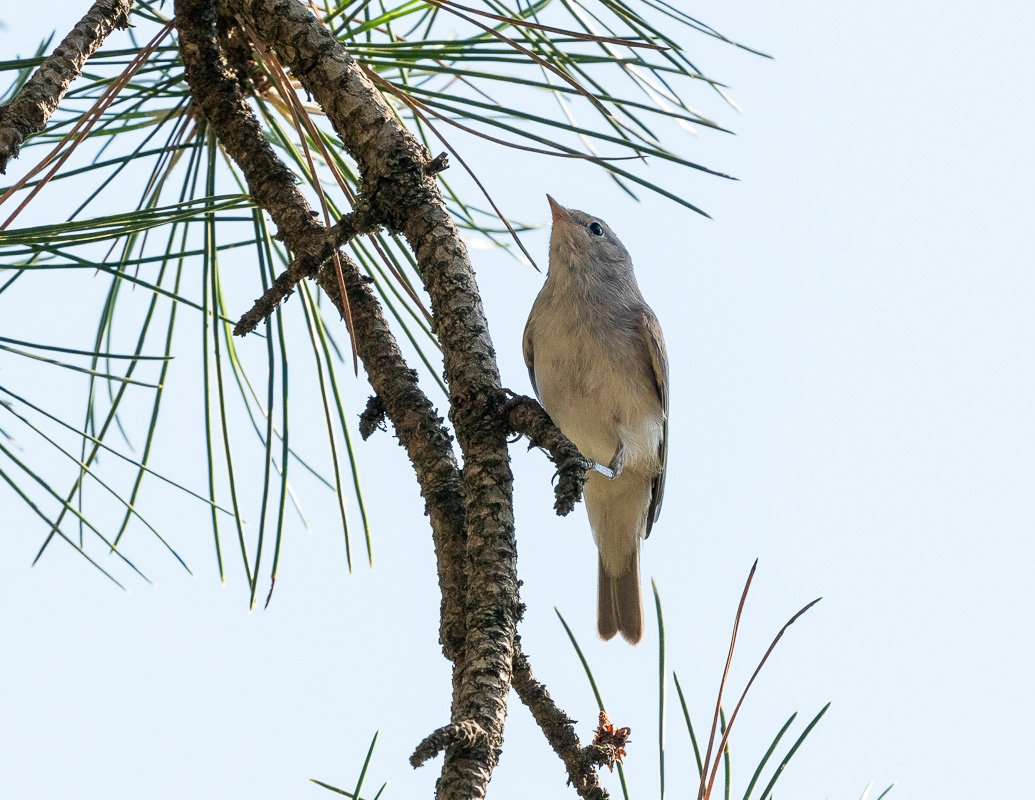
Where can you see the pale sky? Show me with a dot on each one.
(851, 345)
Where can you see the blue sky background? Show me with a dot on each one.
(851, 344)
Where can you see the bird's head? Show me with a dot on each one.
(584, 244)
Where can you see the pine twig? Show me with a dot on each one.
(31, 109)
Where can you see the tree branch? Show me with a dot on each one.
(559, 730)
(466, 734)
(527, 417)
(405, 198)
(372, 418)
(38, 99)
(417, 425)
(304, 266)
(421, 432)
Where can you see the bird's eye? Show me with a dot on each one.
(595, 229)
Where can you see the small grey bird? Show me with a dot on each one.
(596, 357)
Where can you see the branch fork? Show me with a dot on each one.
(471, 512)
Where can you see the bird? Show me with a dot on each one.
(596, 358)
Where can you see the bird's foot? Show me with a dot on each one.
(614, 469)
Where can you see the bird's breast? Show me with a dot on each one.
(596, 383)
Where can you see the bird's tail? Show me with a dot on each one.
(619, 603)
(618, 515)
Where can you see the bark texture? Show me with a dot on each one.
(527, 417)
(427, 442)
(417, 425)
(471, 512)
(559, 730)
(305, 266)
(403, 196)
(33, 106)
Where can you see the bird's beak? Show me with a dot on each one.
(560, 213)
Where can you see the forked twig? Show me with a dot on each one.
(304, 115)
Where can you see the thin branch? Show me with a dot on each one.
(527, 417)
(304, 266)
(466, 734)
(33, 106)
(283, 85)
(421, 431)
(80, 130)
(559, 730)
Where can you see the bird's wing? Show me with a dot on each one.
(659, 362)
(526, 347)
